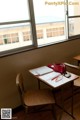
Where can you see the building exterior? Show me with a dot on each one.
(10, 35)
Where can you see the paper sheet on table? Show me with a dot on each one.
(55, 83)
(49, 76)
(41, 70)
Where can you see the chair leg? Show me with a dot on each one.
(26, 112)
(54, 112)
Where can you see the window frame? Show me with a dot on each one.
(34, 31)
(68, 17)
(76, 36)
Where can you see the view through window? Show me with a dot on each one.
(15, 25)
(51, 20)
(55, 21)
(74, 17)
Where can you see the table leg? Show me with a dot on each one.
(38, 84)
(62, 102)
(78, 62)
(72, 102)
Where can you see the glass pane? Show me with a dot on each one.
(74, 28)
(13, 10)
(74, 7)
(50, 21)
(15, 36)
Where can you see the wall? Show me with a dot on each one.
(11, 65)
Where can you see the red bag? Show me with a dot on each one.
(59, 67)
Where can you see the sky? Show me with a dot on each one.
(11, 10)
(47, 10)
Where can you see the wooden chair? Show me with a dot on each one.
(35, 98)
(76, 70)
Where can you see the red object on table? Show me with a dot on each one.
(59, 67)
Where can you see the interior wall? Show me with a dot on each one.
(22, 62)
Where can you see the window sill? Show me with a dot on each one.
(24, 49)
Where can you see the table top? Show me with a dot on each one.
(77, 57)
(50, 77)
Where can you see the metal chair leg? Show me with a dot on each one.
(54, 112)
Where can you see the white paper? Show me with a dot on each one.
(41, 70)
(49, 76)
(54, 83)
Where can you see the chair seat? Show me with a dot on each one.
(38, 97)
(77, 82)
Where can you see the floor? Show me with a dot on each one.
(47, 115)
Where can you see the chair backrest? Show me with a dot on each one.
(73, 68)
(19, 83)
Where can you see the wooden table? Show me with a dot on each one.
(77, 58)
(55, 80)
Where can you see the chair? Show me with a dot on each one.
(76, 70)
(35, 98)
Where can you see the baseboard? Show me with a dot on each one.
(17, 109)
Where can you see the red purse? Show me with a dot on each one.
(59, 67)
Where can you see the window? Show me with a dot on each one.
(27, 36)
(32, 23)
(39, 34)
(52, 23)
(16, 25)
(1, 40)
(52, 32)
(74, 17)
(10, 38)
